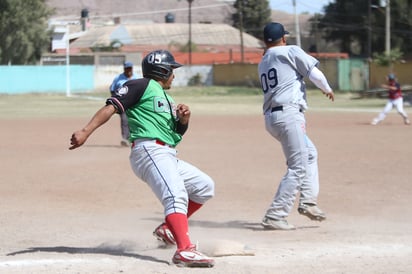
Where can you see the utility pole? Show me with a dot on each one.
(388, 28)
(297, 29)
(369, 50)
(369, 53)
(68, 94)
(190, 31)
(242, 55)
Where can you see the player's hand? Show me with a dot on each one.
(78, 138)
(330, 95)
(183, 113)
(102, 116)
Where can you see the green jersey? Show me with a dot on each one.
(150, 110)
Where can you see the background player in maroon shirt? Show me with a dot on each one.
(395, 99)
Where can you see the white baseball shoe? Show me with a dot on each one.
(374, 122)
(312, 212)
(276, 224)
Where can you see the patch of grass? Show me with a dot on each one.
(216, 90)
(46, 105)
(202, 100)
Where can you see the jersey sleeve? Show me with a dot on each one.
(318, 78)
(303, 61)
(128, 95)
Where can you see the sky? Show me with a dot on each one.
(311, 6)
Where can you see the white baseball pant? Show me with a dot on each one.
(288, 127)
(173, 181)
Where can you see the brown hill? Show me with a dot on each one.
(107, 12)
(213, 11)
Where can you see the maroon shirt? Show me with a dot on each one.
(397, 93)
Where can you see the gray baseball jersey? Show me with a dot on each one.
(281, 72)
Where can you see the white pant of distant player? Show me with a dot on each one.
(288, 127)
(172, 180)
(398, 104)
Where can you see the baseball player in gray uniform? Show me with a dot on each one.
(282, 71)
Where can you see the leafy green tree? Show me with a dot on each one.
(401, 25)
(23, 30)
(345, 22)
(251, 16)
(386, 60)
(348, 22)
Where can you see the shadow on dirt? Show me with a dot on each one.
(113, 250)
(238, 224)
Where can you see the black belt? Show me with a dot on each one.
(280, 108)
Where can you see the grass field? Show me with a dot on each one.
(209, 100)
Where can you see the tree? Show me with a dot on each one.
(401, 30)
(347, 22)
(23, 30)
(388, 60)
(251, 16)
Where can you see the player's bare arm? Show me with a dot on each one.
(389, 87)
(79, 137)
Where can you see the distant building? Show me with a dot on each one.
(141, 26)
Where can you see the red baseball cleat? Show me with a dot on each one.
(190, 257)
(163, 233)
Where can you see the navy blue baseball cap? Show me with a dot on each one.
(273, 31)
(128, 65)
(391, 76)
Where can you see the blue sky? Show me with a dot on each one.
(311, 6)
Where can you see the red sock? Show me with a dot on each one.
(192, 208)
(179, 226)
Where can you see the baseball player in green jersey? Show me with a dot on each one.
(157, 125)
(281, 71)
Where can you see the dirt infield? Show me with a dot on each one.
(84, 211)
